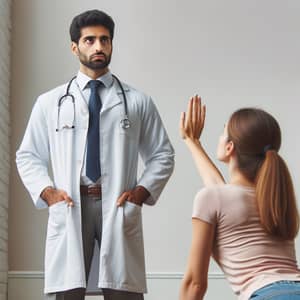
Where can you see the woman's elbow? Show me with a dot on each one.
(194, 290)
(198, 289)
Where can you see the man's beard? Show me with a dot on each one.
(94, 64)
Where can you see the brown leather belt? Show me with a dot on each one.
(90, 191)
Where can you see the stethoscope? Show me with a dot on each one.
(124, 123)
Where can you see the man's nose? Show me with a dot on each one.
(98, 45)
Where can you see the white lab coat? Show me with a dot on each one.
(122, 265)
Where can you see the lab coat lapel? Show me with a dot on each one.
(114, 97)
(79, 100)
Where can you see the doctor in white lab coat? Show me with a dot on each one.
(48, 143)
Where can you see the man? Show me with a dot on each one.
(91, 130)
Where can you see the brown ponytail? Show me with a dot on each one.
(276, 198)
(257, 138)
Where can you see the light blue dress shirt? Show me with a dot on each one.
(82, 81)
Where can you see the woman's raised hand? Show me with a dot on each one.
(192, 122)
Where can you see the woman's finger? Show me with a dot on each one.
(203, 114)
(182, 124)
(195, 121)
(194, 112)
(198, 114)
(189, 111)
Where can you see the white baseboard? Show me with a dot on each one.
(28, 285)
(150, 275)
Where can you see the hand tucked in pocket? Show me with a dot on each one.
(51, 196)
(138, 196)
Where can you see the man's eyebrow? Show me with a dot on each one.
(89, 37)
(94, 36)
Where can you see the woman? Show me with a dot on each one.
(250, 224)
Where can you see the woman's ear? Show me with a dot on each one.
(229, 149)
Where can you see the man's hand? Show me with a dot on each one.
(52, 196)
(137, 196)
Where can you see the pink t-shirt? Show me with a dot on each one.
(249, 258)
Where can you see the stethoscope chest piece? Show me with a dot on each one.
(125, 123)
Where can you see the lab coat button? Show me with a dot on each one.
(84, 111)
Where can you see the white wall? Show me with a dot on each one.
(5, 32)
(234, 53)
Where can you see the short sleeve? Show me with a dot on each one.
(206, 206)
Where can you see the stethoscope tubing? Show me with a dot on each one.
(125, 122)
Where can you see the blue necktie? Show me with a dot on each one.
(93, 146)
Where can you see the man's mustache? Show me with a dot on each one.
(99, 53)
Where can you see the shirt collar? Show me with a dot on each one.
(83, 79)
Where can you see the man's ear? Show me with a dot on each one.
(74, 48)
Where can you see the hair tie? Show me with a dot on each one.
(267, 148)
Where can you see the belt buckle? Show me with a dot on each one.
(94, 192)
(89, 192)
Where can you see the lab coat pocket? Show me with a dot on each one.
(132, 219)
(130, 132)
(57, 219)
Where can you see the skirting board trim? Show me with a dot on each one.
(151, 275)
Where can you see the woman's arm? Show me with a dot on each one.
(194, 283)
(191, 126)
